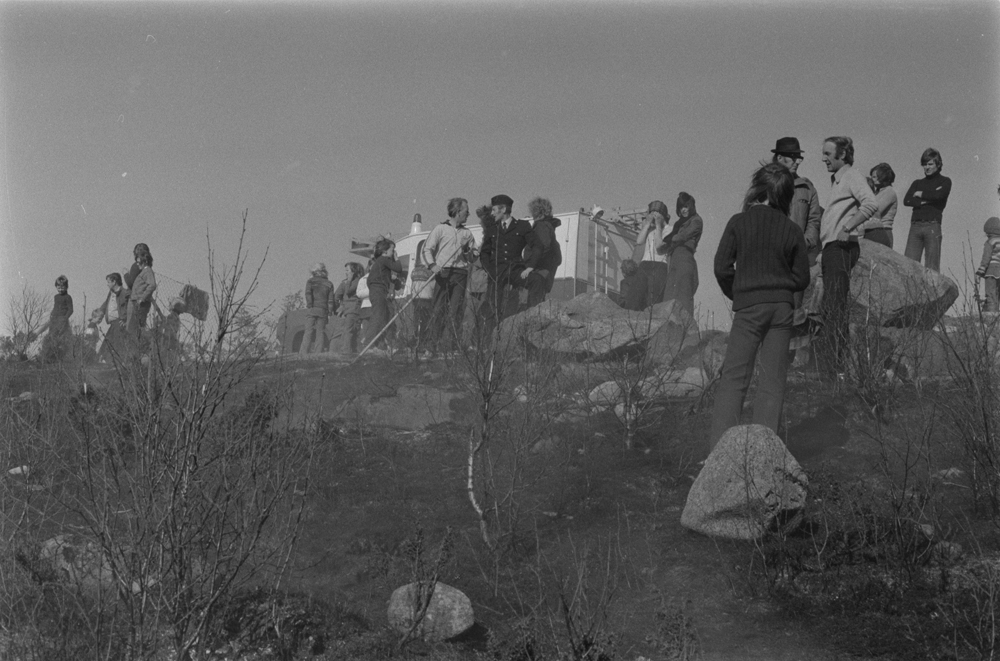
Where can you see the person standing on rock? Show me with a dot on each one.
(928, 197)
(544, 253)
(851, 204)
(679, 246)
(804, 210)
(319, 295)
(449, 249)
(502, 257)
(879, 227)
(761, 262)
(653, 265)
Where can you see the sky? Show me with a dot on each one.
(161, 123)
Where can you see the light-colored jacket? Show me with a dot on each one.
(144, 286)
(888, 203)
(447, 246)
(849, 195)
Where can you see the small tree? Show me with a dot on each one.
(25, 316)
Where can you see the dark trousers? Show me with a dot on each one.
(501, 296)
(539, 284)
(765, 328)
(991, 286)
(883, 236)
(379, 296)
(656, 275)
(925, 238)
(315, 332)
(682, 279)
(839, 257)
(449, 307)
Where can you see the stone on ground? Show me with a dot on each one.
(592, 326)
(750, 485)
(78, 560)
(448, 615)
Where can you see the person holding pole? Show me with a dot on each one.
(448, 249)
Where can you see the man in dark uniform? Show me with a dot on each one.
(502, 257)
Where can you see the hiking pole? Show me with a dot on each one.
(375, 339)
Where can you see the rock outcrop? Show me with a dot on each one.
(592, 326)
(750, 485)
(887, 289)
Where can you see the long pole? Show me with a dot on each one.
(394, 317)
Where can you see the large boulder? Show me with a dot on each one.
(592, 326)
(960, 348)
(448, 614)
(750, 485)
(887, 289)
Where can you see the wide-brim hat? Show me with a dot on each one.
(787, 147)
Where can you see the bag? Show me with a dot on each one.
(362, 291)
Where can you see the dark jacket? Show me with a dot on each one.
(380, 274)
(935, 190)
(504, 249)
(762, 258)
(685, 234)
(319, 294)
(543, 247)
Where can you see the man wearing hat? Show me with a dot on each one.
(652, 264)
(502, 257)
(804, 210)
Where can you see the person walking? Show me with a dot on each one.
(928, 197)
(851, 203)
(761, 262)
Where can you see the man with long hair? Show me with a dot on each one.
(760, 264)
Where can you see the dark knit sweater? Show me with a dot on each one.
(934, 191)
(762, 258)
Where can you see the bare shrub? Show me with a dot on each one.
(26, 313)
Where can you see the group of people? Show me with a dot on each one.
(514, 256)
(763, 264)
(126, 310)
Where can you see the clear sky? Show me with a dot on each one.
(156, 122)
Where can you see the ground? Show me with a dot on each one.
(598, 522)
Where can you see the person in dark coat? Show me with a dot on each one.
(680, 245)
(319, 295)
(544, 253)
(502, 257)
(762, 260)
